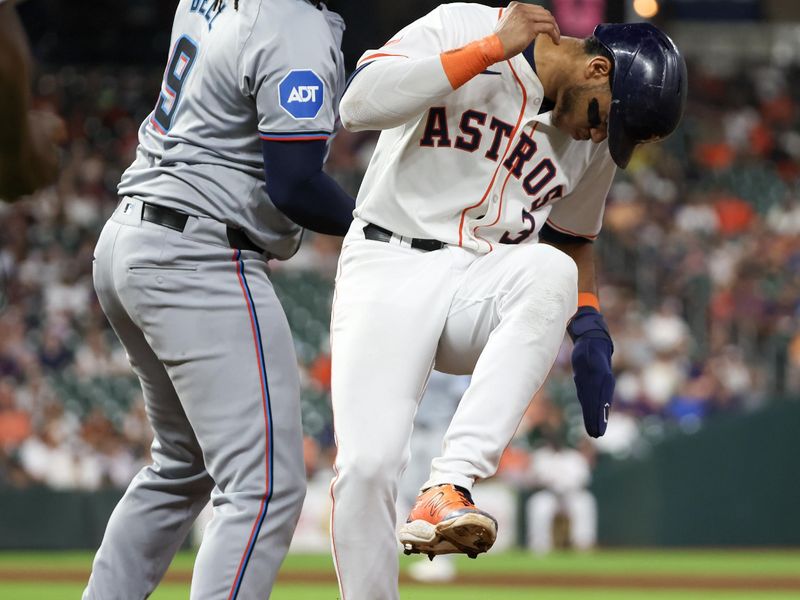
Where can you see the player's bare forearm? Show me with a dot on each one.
(582, 252)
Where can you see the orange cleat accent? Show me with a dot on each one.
(444, 520)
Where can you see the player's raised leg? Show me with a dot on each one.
(395, 299)
(507, 322)
(511, 336)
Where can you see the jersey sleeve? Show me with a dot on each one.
(580, 213)
(424, 37)
(294, 70)
(442, 29)
(396, 83)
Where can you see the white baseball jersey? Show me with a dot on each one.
(271, 70)
(481, 167)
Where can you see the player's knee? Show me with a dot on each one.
(545, 265)
(285, 489)
(296, 489)
(552, 286)
(295, 494)
(558, 268)
(375, 470)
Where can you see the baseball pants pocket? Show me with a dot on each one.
(140, 268)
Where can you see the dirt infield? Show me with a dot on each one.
(512, 580)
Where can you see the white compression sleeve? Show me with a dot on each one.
(390, 92)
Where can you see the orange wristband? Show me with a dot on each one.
(463, 64)
(588, 299)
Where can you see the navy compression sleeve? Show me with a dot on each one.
(300, 189)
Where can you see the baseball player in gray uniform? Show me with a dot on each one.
(180, 269)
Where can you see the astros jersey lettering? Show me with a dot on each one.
(441, 270)
(199, 150)
(483, 167)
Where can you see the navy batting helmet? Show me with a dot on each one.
(648, 88)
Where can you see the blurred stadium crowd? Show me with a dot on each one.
(700, 270)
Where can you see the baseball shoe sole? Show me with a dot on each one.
(471, 533)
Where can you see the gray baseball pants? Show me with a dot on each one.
(210, 343)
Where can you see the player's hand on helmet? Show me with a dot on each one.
(591, 367)
(521, 23)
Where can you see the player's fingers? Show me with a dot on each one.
(549, 29)
(556, 34)
(553, 31)
(558, 30)
(545, 16)
(541, 14)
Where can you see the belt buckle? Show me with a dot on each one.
(426, 245)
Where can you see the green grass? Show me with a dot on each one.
(45, 591)
(33, 591)
(686, 562)
(732, 564)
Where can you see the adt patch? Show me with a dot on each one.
(301, 93)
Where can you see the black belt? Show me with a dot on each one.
(175, 219)
(379, 234)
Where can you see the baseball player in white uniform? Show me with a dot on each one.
(492, 139)
(248, 99)
(563, 475)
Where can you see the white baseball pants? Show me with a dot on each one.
(581, 510)
(399, 311)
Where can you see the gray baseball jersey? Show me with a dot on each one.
(275, 72)
(192, 303)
